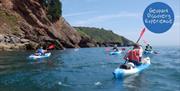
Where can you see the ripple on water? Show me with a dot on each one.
(87, 70)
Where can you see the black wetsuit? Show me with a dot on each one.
(115, 49)
(148, 48)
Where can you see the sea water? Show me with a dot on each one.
(87, 69)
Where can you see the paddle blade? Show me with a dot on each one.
(107, 49)
(51, 46)
(123, 49)
(142, 32)
(156, 52)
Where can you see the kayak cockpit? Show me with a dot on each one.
(120, 71)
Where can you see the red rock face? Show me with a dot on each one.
(7, 4)
(32, 24)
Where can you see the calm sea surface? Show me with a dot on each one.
(87, 69)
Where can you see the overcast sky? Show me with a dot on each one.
(124, 17)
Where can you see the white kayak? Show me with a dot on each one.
(119, 72)
(115, 52)
(41, 56)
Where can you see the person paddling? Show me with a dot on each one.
(115, 48)
(148, 48)
(134, 55)
(40, 51)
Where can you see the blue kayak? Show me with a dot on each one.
(119, 72)
(115, 52)
(46, 55)
(148, 52)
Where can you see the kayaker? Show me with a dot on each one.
(115, 48)
(40, 51)
(148, 48)
(134, 55)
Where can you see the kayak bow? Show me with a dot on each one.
(115, 52)
(41, 56)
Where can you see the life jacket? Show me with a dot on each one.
(134, 55)
(40, 51)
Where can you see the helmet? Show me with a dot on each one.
(115, 45)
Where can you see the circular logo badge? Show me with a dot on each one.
(158, 17)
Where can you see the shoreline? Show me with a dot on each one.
(22, 47)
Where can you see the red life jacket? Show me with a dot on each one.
(134, 55)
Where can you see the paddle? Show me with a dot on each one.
(141, 34)
(51, 46)
(155, 52)
(107, 49)
(123, 49)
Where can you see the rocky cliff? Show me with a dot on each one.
(24, 25)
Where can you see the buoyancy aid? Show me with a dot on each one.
(134, 55)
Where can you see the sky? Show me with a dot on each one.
(123, 17)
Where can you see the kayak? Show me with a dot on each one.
(115, 52)
(120, 72)
(42, 56)
(148, 52)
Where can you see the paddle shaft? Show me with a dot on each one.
(138, 39)
(141, 34)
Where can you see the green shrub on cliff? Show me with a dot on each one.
(54, 8)
(82, 33)
(101, 35)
